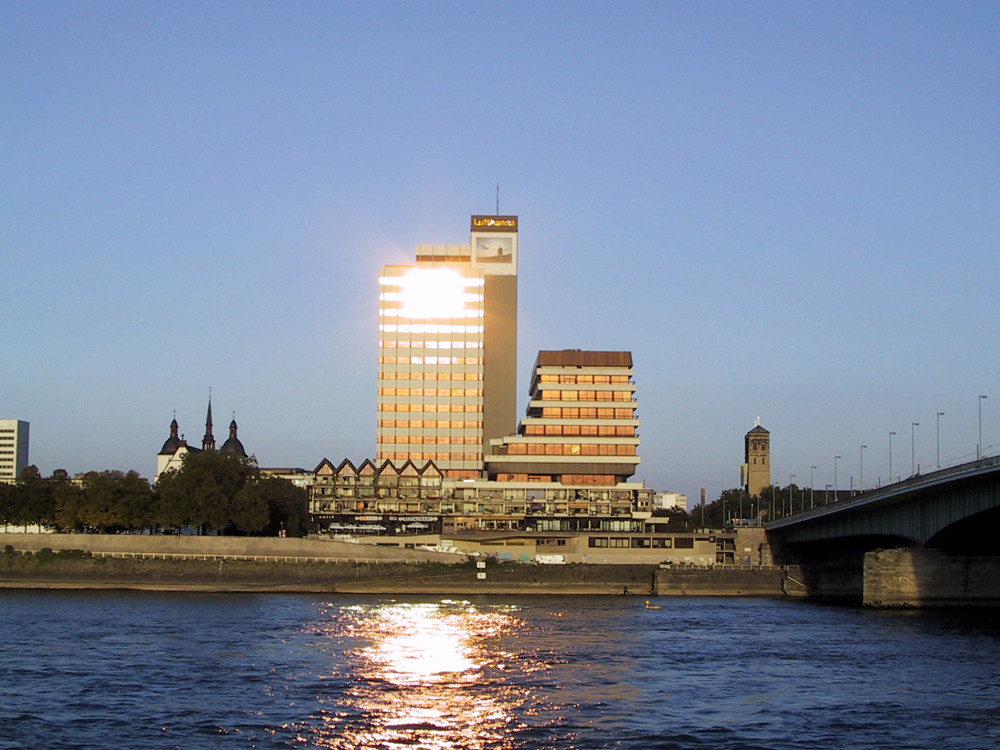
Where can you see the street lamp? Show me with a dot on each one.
(891, 433)
(812, 502)
(861, 470)
(791, 497)
(913, 449)
(939, 415)
(835, 496)
(979, 447)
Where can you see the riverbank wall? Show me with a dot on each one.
(98, 561)
(929, 578)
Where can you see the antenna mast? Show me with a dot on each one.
(498, 199)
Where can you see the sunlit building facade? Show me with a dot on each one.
(581, 426)
(448, 350)
(13, 449)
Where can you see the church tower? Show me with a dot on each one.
(757, 460)
(208, 442)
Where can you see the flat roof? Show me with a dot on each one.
(582, 358)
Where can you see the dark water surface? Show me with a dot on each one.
(163, 670)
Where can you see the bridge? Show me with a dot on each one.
(929, 539)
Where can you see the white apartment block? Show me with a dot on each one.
(13, 449)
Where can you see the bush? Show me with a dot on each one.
(9, 551)
(45, 555)
(73, 554)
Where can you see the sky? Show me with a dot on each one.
(784, 210)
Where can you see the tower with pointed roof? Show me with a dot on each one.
(208, 442)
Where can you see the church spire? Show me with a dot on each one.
(208, 442)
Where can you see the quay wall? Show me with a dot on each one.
(222, 546)
(735, 580)
(922, 577)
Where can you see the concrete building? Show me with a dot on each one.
(13, 449)
(669, 501)
(448, 350)
(756, 472)
(580, 427)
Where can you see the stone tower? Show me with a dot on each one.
(757, 460)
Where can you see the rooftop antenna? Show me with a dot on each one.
(498, 199)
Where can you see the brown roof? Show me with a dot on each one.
(581, 358)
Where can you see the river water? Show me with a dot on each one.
(169, 670)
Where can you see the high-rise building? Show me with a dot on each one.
(581, 426)
(448, 350)
(13, 449)
(757, 460)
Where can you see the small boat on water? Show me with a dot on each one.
(651, 606)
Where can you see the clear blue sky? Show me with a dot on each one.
(785, 210)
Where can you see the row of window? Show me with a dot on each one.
(400, 360)
(426, 456)
(571, 379)
(427, 440)
(425, 328)
(580, 429)
(574, 412)
(430, 424)
(430, 408)
(431, 376)
(569, 449)
(631, 542)
(422, 344)
(452, 314)
(434, 392)
(556, 395)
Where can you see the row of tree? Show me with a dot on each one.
(773, 502)
(209, 492)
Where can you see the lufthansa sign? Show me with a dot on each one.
(494, 223)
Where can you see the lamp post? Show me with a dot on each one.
(939, 415)
(791, 497)
(979, 446)
(835, 496)
(891, 433)
(812, 500)
(913, 449)
(861, 470)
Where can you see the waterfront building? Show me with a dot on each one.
(448, 350)
(175, 447)
(580, 427)
(756, 471)
(13, 449)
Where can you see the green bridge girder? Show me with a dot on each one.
(917, 509)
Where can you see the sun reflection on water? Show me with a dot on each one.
(423, 675)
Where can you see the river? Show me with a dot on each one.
(118, 669)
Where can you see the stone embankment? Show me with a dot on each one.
(90, 561)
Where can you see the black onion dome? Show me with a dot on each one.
(173, 442)
(233, 446)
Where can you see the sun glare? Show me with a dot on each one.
(434, 293)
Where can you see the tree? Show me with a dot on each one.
(204, 492)
(36, 498)
(115, 500)
(678, 519)
(288, 506)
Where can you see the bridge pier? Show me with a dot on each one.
(924, 577)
